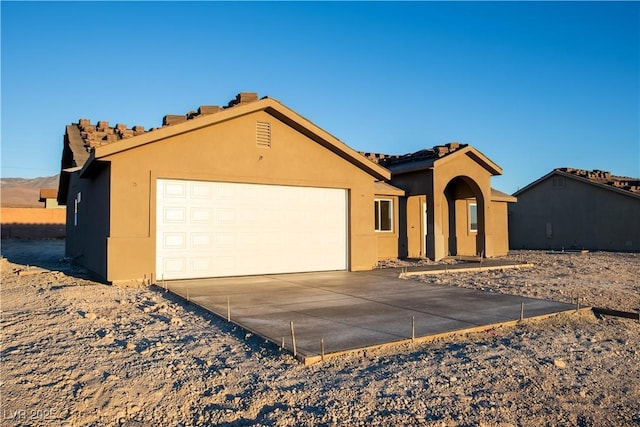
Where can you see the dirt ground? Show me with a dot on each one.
(75, 352)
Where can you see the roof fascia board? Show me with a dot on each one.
(499, 196)
(471, 152)
(271, 106)
(382, 188)
(533, 184)
(324, 138)
(577, 178)
(476, 156)
(597, 184)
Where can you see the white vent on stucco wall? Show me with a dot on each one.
(263, 134)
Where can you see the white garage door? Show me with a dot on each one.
(216, 229)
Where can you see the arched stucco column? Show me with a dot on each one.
(437, 242)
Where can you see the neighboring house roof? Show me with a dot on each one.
(620, 184)
(429, 157)
(384, 189)
(48, 193)
(88, 144)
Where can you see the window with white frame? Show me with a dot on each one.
(383, 210)
(473, 217)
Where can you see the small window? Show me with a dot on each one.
(263, 134)
(473, 217)
(383, 211)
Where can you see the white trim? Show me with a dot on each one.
(378, 215)
(471, 230)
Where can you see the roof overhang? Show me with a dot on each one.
(577, 178)
(477, 156)
(270, 106)
(469, 151)
(384, 189)
(499, 196)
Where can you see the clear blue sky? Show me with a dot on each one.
(533, 86)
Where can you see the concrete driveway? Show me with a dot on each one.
(337, 312)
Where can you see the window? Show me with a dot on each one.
(473, 217)
(383, 211)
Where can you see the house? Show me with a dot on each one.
(449, 207)
(255, 188)
(49, 196)
(577, 209)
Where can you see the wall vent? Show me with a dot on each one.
(263, 134)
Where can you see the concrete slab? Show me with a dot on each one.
(350, 311)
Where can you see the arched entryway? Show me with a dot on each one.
(463, 218)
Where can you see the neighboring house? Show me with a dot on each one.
(255, 188)
(49, 196)
(577, 209)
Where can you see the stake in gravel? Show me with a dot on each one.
(293, 340)
(521, 310)
(228, 311)
(413, 328)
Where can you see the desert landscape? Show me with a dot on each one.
(79, 353)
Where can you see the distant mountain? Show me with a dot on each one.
(25, 192)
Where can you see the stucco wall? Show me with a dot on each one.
(387, 241)
(87, 237)
(464, 167)
(499, 228)
(415, 227)
(32, 223)
(466, 239)
(578, 215)
(227, 152)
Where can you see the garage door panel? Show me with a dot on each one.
(213, 229)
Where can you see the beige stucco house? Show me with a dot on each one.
(449, 207)
(577, 209)
(255, 188)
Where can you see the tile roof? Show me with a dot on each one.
(601, 177)
(95, 135)
(426, 154)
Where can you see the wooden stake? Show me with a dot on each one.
(322, 349)
(521, 310)
(228, 311)
(282, 345)
(293, 340)
(413, 328)
(187, 294)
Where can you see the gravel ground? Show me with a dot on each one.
(78, 353)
